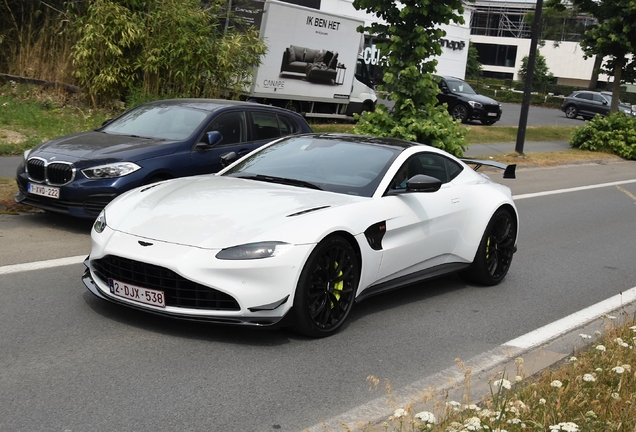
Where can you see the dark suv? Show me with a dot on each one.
(587, 104)
(464, 103)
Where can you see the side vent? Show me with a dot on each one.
(307, 211)
(375, 234)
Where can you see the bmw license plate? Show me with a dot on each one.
(47, 191)
(137, 293)
(492, 114)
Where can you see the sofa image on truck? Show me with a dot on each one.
(311, 64)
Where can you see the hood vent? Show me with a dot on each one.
(308, 211)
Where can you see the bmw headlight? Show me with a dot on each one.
(100, 222)
(114, 170)
(475, 104)
(26, 153)
(254, 251)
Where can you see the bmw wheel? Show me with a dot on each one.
(326, 288)
(571, 112)
(495, 251)
(460, 112)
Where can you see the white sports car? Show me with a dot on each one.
(297, 231)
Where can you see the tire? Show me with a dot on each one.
(494, 255)
(460, 112)
(571, 112)
(326, 288)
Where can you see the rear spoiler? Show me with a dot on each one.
(509, 170)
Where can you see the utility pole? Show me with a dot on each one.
(527, 88)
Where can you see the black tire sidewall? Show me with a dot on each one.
(302, 322)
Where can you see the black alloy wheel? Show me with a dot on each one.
(494, 255)
(460, 112)
(571, 111)
(326, 288)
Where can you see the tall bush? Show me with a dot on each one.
(161, 48)
(615, 133)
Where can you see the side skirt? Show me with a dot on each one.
(411, 279)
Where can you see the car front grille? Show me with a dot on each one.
(53, 173)
(179, 291)
(492, 108)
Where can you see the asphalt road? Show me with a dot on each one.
(72, 362)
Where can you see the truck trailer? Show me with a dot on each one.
(313, 64)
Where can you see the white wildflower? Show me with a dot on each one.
(565, 426)
(556, 384)
(615, 396)
(399, 413)
(519, 361)
(573, 359)
(598, 370)
(426, 417)
(518, 379)
(627, 367)
(485, 413)
(5, 104)
(591, 414)
(584, 336)
(618, 369)
(600, 347)
(633, 328)
(589, 378)
(541, 401)
(502, 383)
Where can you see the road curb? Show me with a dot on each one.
(540, 349)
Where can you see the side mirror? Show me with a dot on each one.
(604, 102)
(445, 90)
(210, 139)
(228, 158)
(423, 183)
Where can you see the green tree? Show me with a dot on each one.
(473, 65)
(542, 74)
(614, 37)
(412, 33)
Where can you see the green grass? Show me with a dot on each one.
(29, 117)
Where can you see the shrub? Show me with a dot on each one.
(615, 134)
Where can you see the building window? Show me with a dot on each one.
(496, 55)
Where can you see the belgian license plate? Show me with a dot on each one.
(492, 114)
(47, 191)
(137, 293)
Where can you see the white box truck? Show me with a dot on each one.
(312, 64)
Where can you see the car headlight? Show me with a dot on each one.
(113, 170)
(100, 223)
(26, 154)
(254, 251)
(475, 104)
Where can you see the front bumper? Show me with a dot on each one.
(263, 289)
(486, 115)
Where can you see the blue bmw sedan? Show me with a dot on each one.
(79, 174)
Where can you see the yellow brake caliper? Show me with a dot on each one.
(488, 248)
(337, 287)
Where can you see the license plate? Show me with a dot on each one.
(137, 293)
(47, 191)
(492, 114)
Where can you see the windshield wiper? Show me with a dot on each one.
(281, 180)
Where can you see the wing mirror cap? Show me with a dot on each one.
(209, 140)
(423, 183)
(228, 158)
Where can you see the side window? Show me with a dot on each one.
(264, 126)
(599, 98)
(585, 96)
(429, 164)
(287, 125)
(231, 126)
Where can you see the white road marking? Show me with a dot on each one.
(574, 189)
(38, 265)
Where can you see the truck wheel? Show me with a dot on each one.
(367, 106)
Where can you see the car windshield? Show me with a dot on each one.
(457, 86)
(163, 121)
(320, 162)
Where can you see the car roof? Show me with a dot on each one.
(211, 104)
(395, 143)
